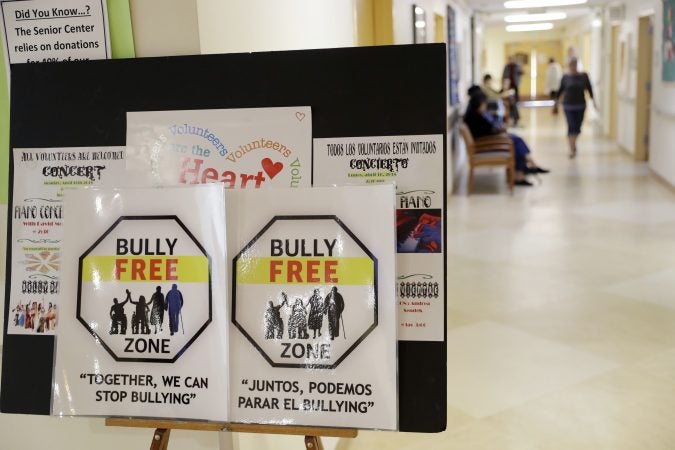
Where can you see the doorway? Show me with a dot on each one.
(643, 99)
(533, 58)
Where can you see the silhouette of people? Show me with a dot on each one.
(157, 309)
(119, 319)
(274, 326)
(334, 305)
(140, 319)
(297, 323)
(316, 312)
(174, 304)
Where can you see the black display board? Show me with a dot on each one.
(370, 91)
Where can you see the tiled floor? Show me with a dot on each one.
(561, 318)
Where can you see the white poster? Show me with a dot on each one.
(313, 307)
(49, 31)
(242, 148)
(143, 321)
(415, 164)
(40, 178)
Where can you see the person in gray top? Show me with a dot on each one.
(573, 87)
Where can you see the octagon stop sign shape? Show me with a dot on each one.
(145, 289)
(305, 292)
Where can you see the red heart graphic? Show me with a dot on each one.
(271, 168)
(299, 116)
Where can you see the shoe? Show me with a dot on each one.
(523, 183)
(573, 153)
(536, 170)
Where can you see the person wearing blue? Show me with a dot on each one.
(482, 124)
(174, 304)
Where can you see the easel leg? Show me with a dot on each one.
(160, 440)
(313, 443)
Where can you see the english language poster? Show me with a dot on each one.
(143, 321)
(41, 177)
(313, 333)
(415, 164)
(241, 148)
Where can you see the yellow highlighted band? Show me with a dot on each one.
(279, 270)
(185, 269)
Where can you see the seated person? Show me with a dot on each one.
(481, 124)
(495, 102)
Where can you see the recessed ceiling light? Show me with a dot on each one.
(530, 27)
(420, 24)
(518, 4)
(418, 10)
(516, 18)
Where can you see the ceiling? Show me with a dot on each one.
(498, 5)
(493, 11)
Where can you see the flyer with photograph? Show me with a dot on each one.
(313, 338)
(241, 148)
(40, 178)
(143, 316)
(416, 165)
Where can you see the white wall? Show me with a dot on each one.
(626, 79)
(165, 27)
(662, 129)
(263, 25)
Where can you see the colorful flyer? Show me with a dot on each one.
(313, 306)
(40, 179)
(416, 165)
(144, 321)
(241, 148)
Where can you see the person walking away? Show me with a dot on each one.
(510, 81)
(174, 304)
(553, 77)
(573, 88)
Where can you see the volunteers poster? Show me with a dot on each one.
(144, 322)
(241, 148)
(41, 177)
(48, 31)
(415, 163)
(313, 307)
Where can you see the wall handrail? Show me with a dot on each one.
(663, 113)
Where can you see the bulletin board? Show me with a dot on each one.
(371, 91)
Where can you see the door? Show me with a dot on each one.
(439, 35)
(373, 22)
(644, 82)
(546, 50)
(523, 54)
(537, 53)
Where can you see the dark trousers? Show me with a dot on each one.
(575, 117)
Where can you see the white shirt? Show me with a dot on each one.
(553, 76)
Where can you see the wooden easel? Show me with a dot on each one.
(160, 439)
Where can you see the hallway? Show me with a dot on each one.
(561, 314)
